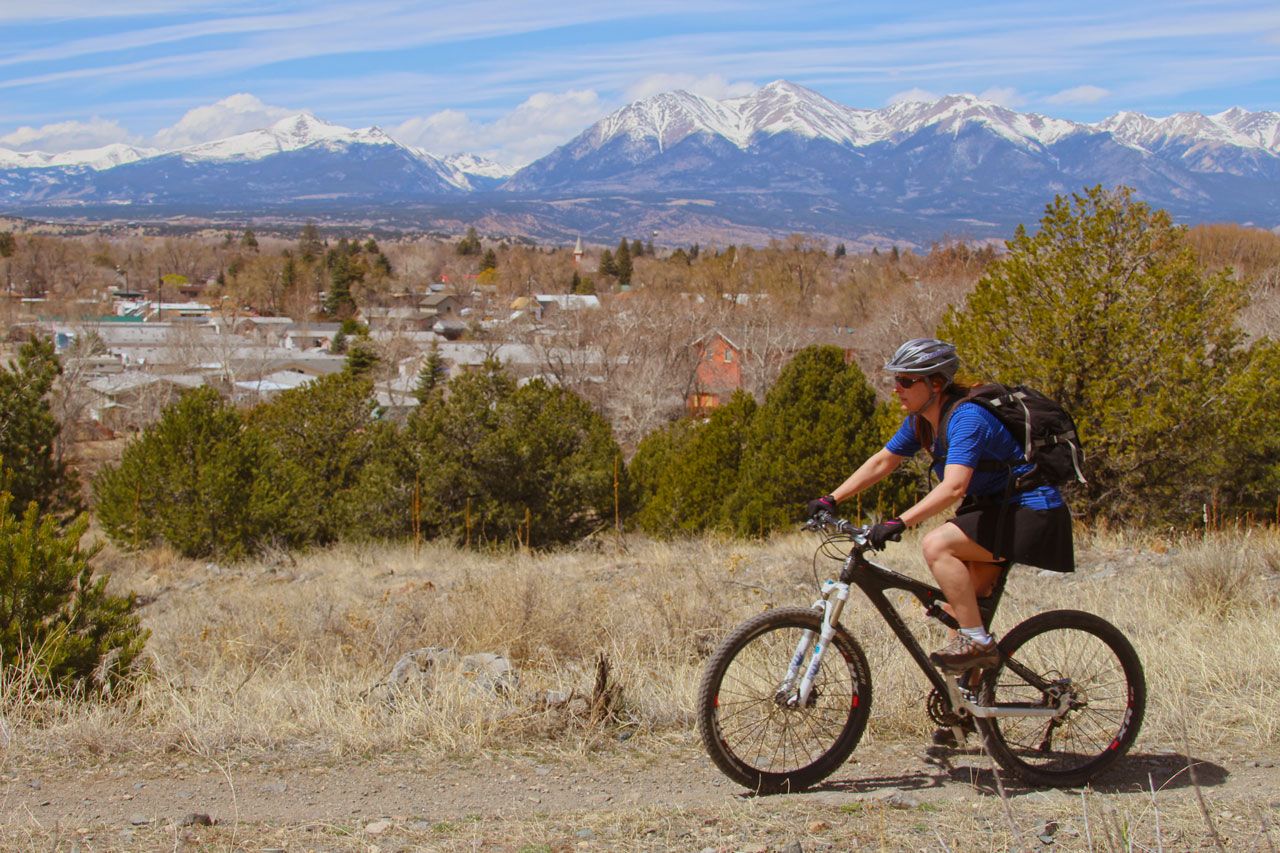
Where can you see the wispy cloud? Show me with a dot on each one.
(710, 85)
(913, 94)
(446, 74)
(1005, 96)
(1078, 95)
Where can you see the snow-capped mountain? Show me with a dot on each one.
(652, 127)
(782, 159)
(288, 134)
(789, 156)
(102, 157)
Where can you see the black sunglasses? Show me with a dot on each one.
(907, 381)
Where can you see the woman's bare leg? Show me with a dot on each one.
(960, 566)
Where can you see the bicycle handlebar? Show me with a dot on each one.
(823, 519)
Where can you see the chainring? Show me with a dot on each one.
(936, 705)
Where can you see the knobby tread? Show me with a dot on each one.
(844, 652)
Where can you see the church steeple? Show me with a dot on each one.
(577, 251)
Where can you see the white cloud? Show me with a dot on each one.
(66, 136)
(1079, 95)
(232, 115)
(709, 85)
(1005, 96)
(533, 128)
(914, 94)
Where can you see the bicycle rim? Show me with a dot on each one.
(1099, 671)
(764, 742)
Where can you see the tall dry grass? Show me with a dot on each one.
(279, 661)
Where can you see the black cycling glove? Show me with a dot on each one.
(885, 531)
(826, 503)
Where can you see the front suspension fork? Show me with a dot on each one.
(834, 596)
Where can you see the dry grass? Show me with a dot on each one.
(277, 661)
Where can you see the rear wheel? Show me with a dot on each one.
(751, 731)
(1071, 654)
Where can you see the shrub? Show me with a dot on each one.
(320, 436)
(57, 622)
(817, 424)
(1106, 309)
(696, 478)
(195, 479)
(534, 464)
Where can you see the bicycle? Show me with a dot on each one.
(777, 712)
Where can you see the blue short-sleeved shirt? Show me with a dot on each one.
(973, 435)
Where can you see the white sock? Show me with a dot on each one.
(979, 635)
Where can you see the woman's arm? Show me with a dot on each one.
(955, 482)
(880, 465)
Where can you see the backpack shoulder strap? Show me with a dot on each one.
(948, 409)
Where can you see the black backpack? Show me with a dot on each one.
(1045, 430)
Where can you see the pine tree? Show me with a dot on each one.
(371, 247)
(695, 488)
(607, 266)
(817, 424)
(470, 244)
(197, 480)
(362, 357)
(249, 240)
(534, 465)
(8, 245)
(432, 376)
(310, 246)
(58, 624)
(840, 251)
(1105, 309)
(338, 301)
(637, 249)
(320, 435)
(622, 262)
(489, 261)
(29, 433)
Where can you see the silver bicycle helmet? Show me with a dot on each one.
(925, 357)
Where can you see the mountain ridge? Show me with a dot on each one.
(783, 158)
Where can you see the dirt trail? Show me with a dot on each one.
(406, 803)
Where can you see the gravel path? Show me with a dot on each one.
(247, 806)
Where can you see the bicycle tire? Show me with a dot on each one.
(1106, 679)
(758, 742)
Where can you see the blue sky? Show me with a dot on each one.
(513, 78)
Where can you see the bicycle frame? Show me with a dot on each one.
(874, 581)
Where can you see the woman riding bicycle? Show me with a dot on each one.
(994, 527)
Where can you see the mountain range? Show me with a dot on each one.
(783, 159)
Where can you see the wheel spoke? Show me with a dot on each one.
(1091, 661)
(753, 728)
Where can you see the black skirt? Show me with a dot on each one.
(1033, 537)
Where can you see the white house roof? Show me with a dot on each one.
(122, 383)
(281, 380)
(568, 301)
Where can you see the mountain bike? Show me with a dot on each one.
(778, 711)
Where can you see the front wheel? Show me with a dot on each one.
(749, 728)
(1064, 658)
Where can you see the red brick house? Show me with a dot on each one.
(717, 375)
